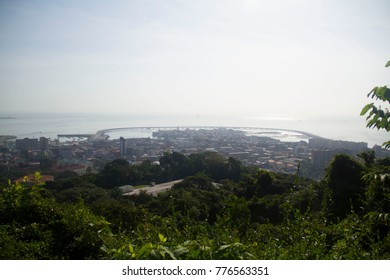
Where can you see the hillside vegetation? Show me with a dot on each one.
(221, 210)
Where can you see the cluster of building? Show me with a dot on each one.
(44, 154)
(91, 154)
(263, 152)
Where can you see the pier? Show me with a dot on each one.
(75, 135)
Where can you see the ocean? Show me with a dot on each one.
(36, 125)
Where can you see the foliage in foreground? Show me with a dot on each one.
(260, 215)
(377, 117)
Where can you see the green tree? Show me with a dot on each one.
(34, 226)
(86, 192)
(199, 181)
(234, 169)
(174, 166)
(377, 117)
(344, 179)
(78, 233)
(114, 174)
(368, 158)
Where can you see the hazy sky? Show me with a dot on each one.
(266, 58)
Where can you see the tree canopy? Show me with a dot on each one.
(377, 117)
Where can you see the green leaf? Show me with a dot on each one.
(383, 123)
(387, 64)
(372, 92)
(145, 251)
(131, 248)
(371, 123)
(388, 127)
(370, 115)
(376, 117)
(386, 95)
(380, 93)
(180, 249)
(168, 251)
(162, 238)
(386, 145)
(366, 108)
(224, 247)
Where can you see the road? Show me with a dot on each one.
(155, 189)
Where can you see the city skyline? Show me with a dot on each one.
(262, 59)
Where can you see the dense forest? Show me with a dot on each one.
(220, 210)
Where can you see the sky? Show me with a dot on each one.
(261, 59)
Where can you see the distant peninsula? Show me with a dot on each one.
(7, 118)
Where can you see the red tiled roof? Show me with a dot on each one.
(31, 178)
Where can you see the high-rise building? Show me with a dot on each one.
(27, 144)
(320, 158)
(122, 146)
(44, 143)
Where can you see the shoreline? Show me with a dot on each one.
(50, 128)
(103, 134)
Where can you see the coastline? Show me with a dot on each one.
(104, 133)
(50, 125)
